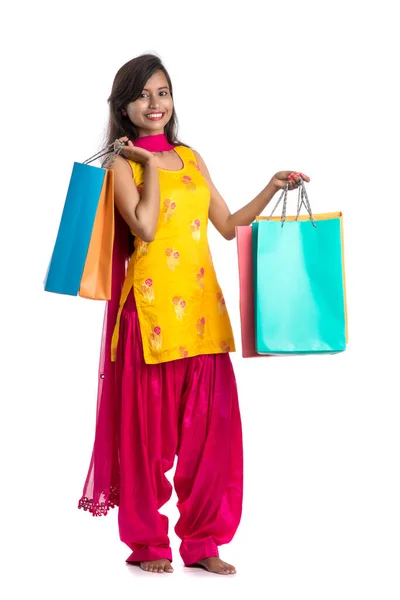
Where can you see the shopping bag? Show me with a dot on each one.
(246, 290)
(95, 282)
(82, 256)
(299, 282)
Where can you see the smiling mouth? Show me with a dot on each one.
(156, 116)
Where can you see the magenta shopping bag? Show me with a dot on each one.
(246, 290)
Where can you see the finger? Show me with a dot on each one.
(294, 175)
(297, 178)
(291, 181)
(305, 177)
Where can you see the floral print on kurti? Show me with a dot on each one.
(221, 303)
(188, 182)
(200, 327)
(179, 305)
(172, 258)
(156, 339)
(195, 229)
(142, 247)
(200, 278)
(169, 209)
(225, 346)
(147, 289)
(194, 164)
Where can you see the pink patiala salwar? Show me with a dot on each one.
(186, 408)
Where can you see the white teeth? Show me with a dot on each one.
(154, 116)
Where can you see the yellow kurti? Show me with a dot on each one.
(181, 308)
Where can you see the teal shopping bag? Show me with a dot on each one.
(68, 259)
(300, 305)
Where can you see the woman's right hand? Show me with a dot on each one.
(131, 152)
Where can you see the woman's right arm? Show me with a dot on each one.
(140, 213)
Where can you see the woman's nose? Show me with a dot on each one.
(154, 101)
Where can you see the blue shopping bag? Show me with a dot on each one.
(68, 259)
(300, 301)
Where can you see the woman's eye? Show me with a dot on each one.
(144, 95)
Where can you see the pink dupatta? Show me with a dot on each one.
(101, 489)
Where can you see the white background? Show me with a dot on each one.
(259, 87)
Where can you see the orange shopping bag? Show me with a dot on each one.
(96, 278)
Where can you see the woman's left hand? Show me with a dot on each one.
(292, 178)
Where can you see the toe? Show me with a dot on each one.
(228, 569)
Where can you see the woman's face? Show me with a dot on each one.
(153, 109)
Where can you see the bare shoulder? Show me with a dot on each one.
(198, 156)
(121, 167)
(202, 164)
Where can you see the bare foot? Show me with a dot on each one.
(157, 566)
(216, 565)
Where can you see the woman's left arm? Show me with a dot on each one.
(219, 213)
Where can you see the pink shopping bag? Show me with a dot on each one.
(246, 291)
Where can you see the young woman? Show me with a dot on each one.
(166, 384)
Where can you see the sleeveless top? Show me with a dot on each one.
(180, 305)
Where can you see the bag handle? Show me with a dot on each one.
(112, 152)
(302, 200)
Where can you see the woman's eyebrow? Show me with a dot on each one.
(165, 87)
